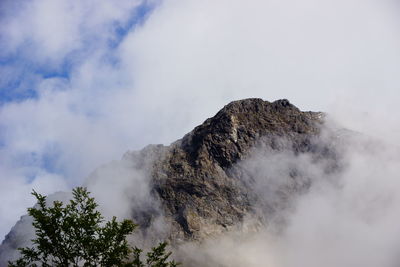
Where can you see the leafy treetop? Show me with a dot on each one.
(76, 235)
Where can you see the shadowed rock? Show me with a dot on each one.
(198, 189)
(193, 179)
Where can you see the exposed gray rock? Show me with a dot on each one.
(200, 190)
(194, 178)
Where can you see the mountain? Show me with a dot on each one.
(202, 185)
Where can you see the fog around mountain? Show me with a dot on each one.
(258, 184)
(81, 83)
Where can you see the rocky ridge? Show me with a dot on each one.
(200, 192)
(195, 182)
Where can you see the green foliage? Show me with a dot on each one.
(158, 257)
(76, 235)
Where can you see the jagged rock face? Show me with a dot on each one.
(193, 179)
(233, 131)
(196, 182)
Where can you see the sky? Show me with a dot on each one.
(82, 82)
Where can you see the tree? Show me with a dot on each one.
(76, 235)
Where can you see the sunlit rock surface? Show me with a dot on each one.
(197, 182)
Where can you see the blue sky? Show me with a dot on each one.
(25, 66)
(82, 82)
(23, 74)
(21, 85)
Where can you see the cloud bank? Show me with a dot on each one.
(344, 217)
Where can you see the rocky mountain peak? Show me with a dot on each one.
(194, 179)
(237, 126)
(194, 184)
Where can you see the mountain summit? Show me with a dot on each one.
(199, 186)
(193, 178)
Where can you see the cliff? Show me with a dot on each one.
(197, 183)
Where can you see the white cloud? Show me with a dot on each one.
(182, 65)
(345, 218)
(46, 32)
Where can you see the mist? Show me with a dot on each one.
(346, 216)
